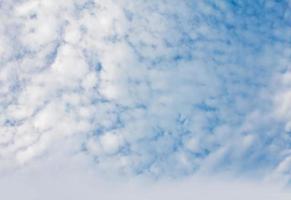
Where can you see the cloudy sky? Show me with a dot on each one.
(155, 99)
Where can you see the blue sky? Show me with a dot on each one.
(158, 89)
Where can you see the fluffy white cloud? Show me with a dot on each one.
(164, 88)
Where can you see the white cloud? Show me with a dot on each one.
(70, 180)
(164, 88)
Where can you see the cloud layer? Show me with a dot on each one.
(76, 182)
(160, 88)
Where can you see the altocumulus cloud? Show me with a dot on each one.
(161, 89)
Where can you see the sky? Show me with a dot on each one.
(147, 96)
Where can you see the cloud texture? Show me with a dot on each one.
(161, 88)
